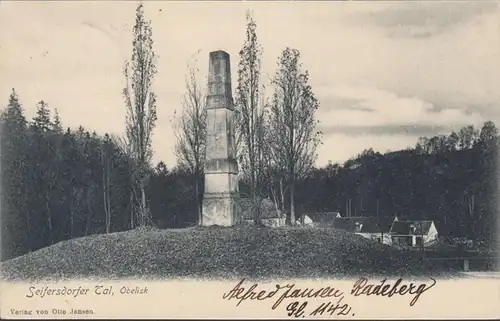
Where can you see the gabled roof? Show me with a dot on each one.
(267, 208)
(304, 219)
(377, 225)
(362, 224)
(406, 227)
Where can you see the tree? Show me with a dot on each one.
(127, 149)
(57, 125)
(72, 170)
(13, 117)
(467, 136)
(41, 121)
(488, 136)
(293, 121)
(106, 161)
(190, 131)
(250, 113)
(452, 141)
(161, 169)
(46, 152)
(140, 101)
(16, 217)
(274, 167)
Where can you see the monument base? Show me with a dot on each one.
(222, 211)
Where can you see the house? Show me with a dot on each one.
(321, 218)
(305, 220)
(373, 228)
(414, 233)
(269, 215)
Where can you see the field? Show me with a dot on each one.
(214, 252)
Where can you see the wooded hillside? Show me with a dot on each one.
(59, 184)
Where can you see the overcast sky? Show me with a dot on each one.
(385, 73)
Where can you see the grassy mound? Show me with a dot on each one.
(213, 252)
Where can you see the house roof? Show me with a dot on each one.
(367, 224)
(267, 208)
(405, 227)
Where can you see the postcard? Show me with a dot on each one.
(243, 159)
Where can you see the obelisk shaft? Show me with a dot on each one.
(220, 201)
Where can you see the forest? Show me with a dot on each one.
(59, 184)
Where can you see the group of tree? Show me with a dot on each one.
(451, 179)
(56, 183)
(276, 138)
(59, 184)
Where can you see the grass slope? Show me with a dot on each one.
(212, 253)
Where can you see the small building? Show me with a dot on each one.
(414, 233)
(305, 220)
(373, 228)
(269, 215)
(321, 219)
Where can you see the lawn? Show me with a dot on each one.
(213, 252)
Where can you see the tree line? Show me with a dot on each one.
(451, 179)
(59, 184)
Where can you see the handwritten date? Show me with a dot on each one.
(296, 309)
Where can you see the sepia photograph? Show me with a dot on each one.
(245, 142)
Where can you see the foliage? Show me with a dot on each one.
(51, 182)
(62, 185)
(140, 101)
(249, 111)
(190, 130)
(292, 122)
(455, 185)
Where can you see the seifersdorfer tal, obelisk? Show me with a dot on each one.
(221, 197)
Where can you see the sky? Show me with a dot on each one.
(384, 73)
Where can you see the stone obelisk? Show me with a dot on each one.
(221, 197)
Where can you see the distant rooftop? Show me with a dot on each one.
(406, 227)
(364, 224)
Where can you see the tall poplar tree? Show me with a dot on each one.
(250, 113)
(140, 101)
(293, 121)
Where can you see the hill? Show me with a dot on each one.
(212, 253)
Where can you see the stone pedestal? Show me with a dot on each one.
(220, 201)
